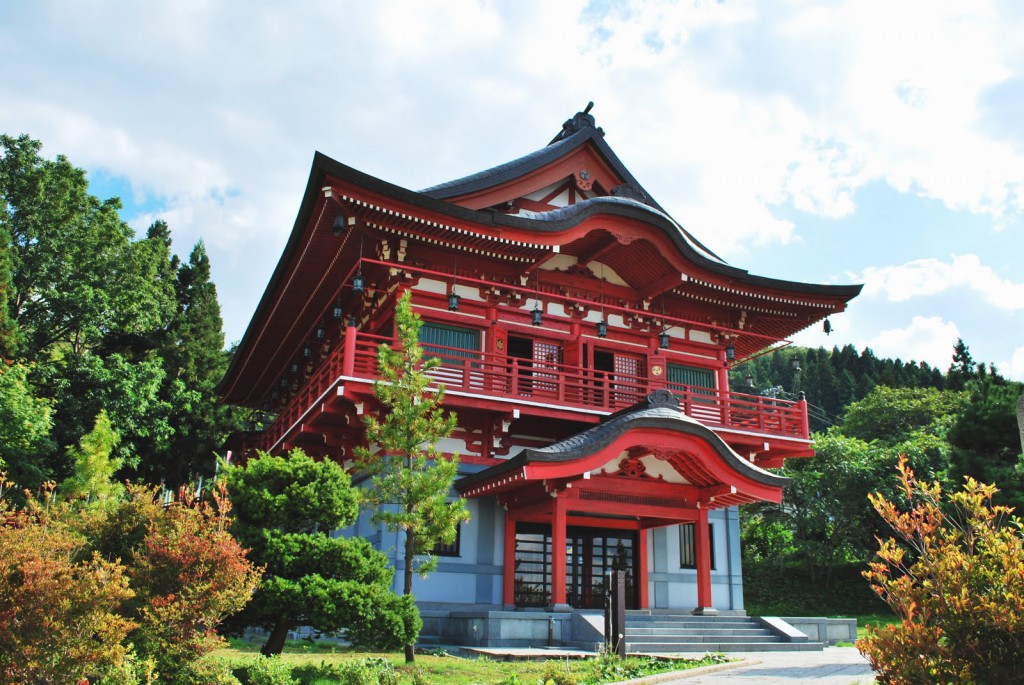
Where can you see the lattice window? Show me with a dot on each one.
(688, 545)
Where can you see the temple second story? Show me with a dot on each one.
(554, 289)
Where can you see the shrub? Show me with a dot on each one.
(956, 579)
(370, 671)
(557, 673)
(264, 670)
(120, 593)
(59, 619)
(187, 571)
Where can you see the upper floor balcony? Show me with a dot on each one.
(524, 387)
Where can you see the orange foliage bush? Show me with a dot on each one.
(82, 587)
(955, 576)
(59, 615)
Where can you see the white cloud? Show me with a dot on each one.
(724, 111)
(842, 328)
(924, 277)
(926, 339)
(1014, 369)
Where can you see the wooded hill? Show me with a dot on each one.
(865, 412)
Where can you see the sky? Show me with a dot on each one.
(834, 142)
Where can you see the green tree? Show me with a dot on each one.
(985, 439)
(25, 423)
(285, 509)
(962, 368)
(195, 357)
(824, 506)
(93, 467)
(9, 342)
(411, 479)
(108, 322)
(953, 575)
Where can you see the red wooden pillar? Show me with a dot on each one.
(805, 425)
(348, 362)
(558, 552)
(641, 584)
(700, 537)
(508, 580)
(723, 390)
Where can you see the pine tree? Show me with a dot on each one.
(411, 478)
(962, 368)
(285, 509)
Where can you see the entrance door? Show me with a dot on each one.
(590, 553)
(538, 364)
(623, 374)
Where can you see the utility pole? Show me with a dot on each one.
(1020, 421)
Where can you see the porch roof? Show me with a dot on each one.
(716, 466)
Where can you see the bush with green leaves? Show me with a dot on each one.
(265, 670)
(368, 671)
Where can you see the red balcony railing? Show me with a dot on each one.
(540, 383)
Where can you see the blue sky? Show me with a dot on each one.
(839, 142)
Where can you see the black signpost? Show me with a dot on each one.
(615, 613)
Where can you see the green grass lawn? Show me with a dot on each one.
(875, 620)
(304, 657)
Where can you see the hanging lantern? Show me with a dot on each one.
(602, 329)
(827, 327)
(663, 340)
(307, 352)
(358, 283)
(319, 333)
(453, 301)
(538, 315)
(730, 352)
(337, 312)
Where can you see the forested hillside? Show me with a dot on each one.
(96, 320)
(806, 555)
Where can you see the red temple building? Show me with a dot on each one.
(586, 340)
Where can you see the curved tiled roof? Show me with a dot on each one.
(582, 131)
(571, 212)
(659, 410)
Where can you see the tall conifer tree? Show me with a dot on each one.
(411, 478)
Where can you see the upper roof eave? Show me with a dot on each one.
(324, 166)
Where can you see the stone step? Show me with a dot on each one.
(693, 625)
(702, 647)
(701, 638)
(632, 631)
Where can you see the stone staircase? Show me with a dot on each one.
(665, 632)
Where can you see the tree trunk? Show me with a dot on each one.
(410, 557)
(275, 643)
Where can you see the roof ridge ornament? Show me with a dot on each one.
(630, 191)
(579, 121)
(663, 397)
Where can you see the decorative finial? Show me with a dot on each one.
(579, 121)
(663, 398)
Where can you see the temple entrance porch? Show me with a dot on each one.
(590, 554)
(581, 507)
